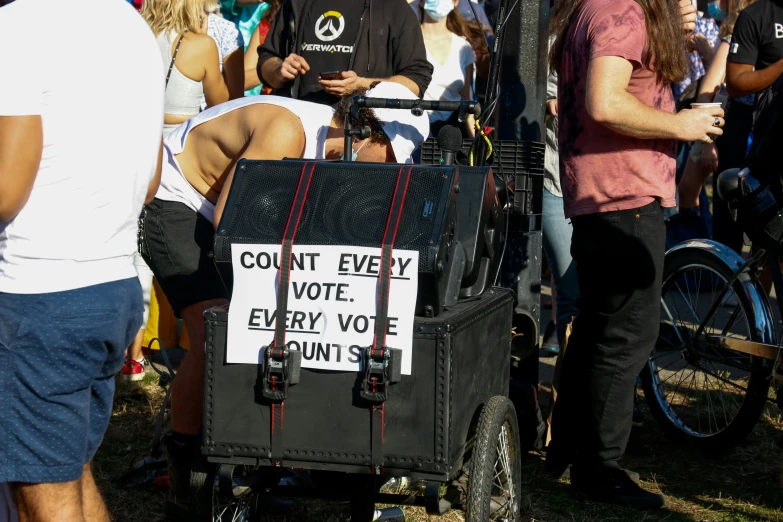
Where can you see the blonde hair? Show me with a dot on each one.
(727, 27)
(173, 15)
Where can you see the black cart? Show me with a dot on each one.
(449, 423)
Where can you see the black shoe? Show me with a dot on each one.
(614, 487)
(180, 455)
(634, 476)
(549, 344)
(557, 461)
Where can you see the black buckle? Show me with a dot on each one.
(380, 370)
(281, 369)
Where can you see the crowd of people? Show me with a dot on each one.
(106, 228)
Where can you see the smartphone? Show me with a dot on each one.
(331, 75)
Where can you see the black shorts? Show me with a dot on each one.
(176, 242)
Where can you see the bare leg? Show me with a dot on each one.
(134, 350)
(93, 507)
(187, 395)
(691, 183)
(49, 502)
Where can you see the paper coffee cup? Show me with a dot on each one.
(704, 105)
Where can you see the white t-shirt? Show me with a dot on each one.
(448, 78)
(101, 107)
(315, 120)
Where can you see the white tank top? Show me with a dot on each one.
(315, 120)
(183, 95)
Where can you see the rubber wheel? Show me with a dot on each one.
(200, 501)
(688, 395)
(494, 470)
(207, 505)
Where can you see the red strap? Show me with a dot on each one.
(384, 273)
(286, 254)
(283, 283)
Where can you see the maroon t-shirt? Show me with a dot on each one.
(602, 170)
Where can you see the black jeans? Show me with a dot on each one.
(619, 260)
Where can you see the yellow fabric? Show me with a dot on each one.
(162, 323)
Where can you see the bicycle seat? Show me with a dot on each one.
(729, 184)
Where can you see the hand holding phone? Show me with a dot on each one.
(331, 75)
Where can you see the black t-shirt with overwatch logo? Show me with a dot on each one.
(758, 35)
(328, 33)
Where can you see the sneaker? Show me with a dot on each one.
(133, 370)
(614, 487)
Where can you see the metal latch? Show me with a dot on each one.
(281, 369)
(380, 370)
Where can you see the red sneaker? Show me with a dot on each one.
(133, 370)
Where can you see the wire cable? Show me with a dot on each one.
(476, 17)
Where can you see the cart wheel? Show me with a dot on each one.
(494, 472)
(207, 504)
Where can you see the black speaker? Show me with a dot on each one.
(482, 229)
(348, 204)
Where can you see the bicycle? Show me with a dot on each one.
(707, 380)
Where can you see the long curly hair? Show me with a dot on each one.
(173, 15)
(367, 116)
(666, 40)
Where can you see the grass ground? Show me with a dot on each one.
(742, 485)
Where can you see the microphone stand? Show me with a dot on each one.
(416, 106)
(350, 117)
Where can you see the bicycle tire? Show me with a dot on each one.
(497, 422)
(676, 265)
(204, 495)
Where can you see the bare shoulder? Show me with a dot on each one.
(201, 43)
(276, 132)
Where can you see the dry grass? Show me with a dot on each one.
(742, 485)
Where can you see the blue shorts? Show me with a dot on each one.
(59, 353)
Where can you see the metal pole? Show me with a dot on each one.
(520, 117)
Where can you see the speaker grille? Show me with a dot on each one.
(346, 205)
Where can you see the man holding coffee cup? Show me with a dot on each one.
(618, 132)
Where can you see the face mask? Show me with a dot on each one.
(355, 153)
(715, 12)
(438, 9)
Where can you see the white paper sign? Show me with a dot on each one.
(331, 303)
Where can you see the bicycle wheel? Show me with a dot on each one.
(494, 472)
(207, 504)
(700, 392)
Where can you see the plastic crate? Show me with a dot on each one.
(520, 162)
